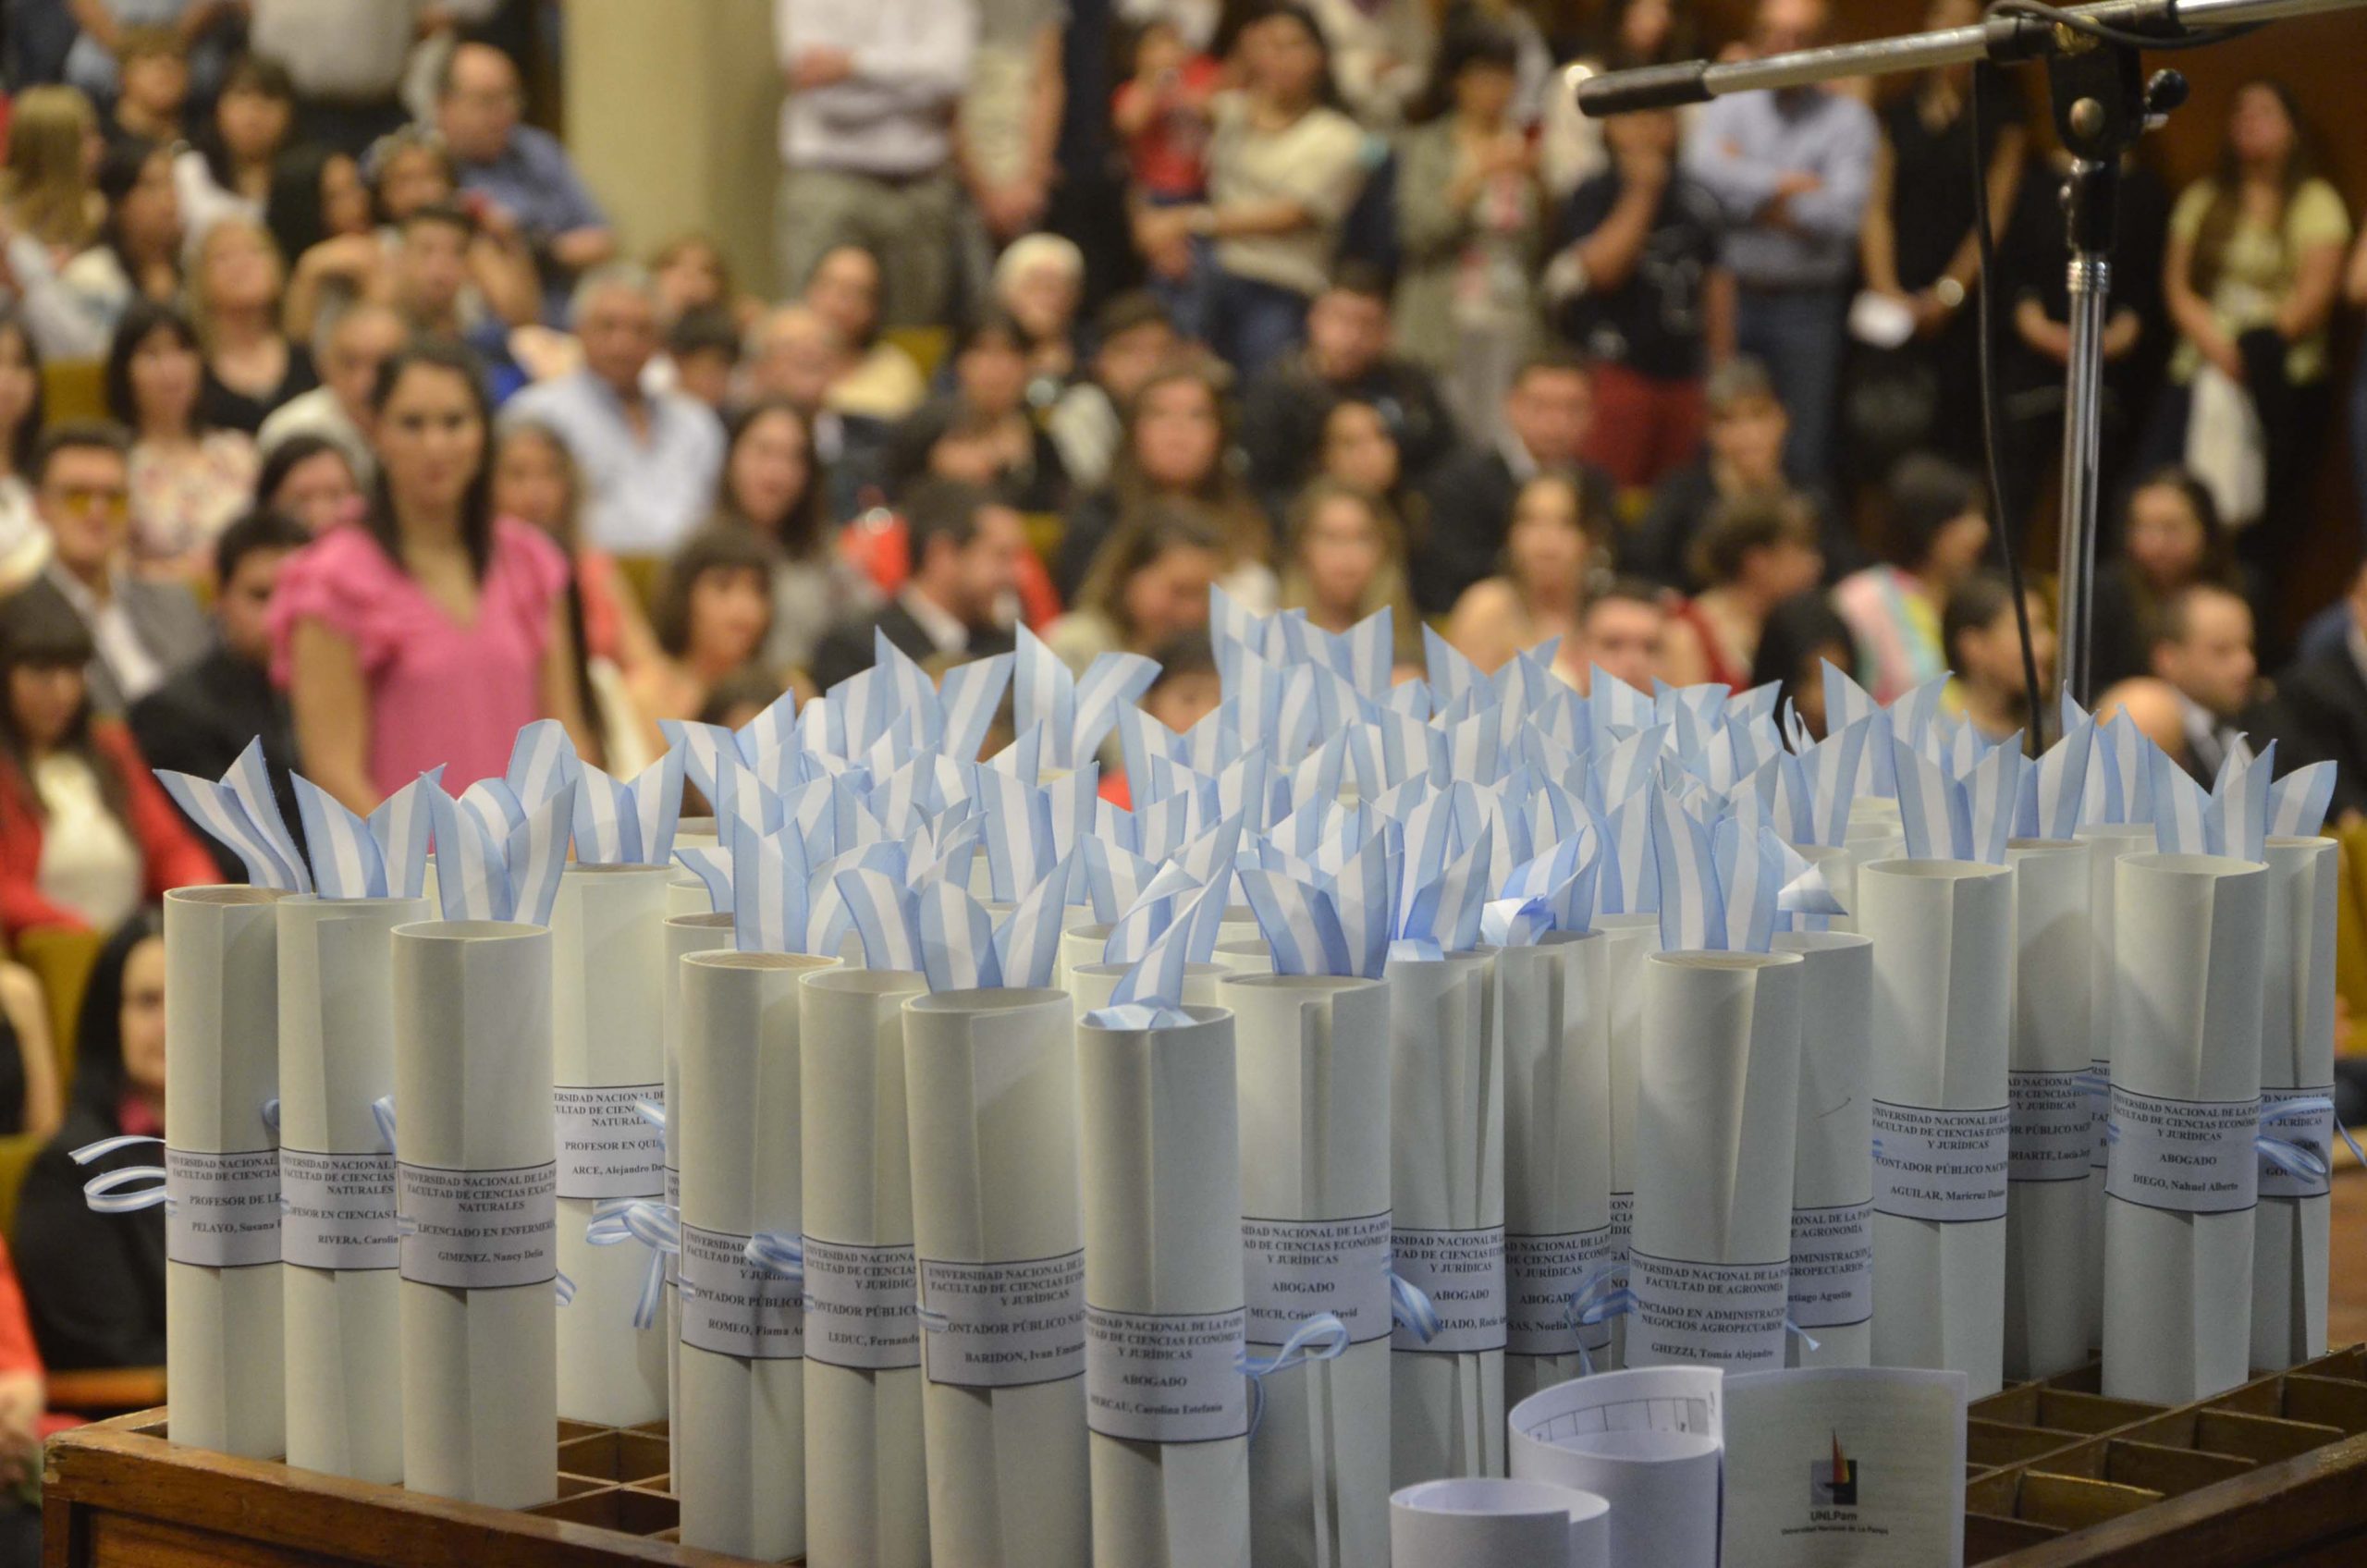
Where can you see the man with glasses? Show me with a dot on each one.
(524, 172)
(144, 630)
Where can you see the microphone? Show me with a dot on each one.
(1645, 87)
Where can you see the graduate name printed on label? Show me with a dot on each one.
(1295, 1269)
(1728, 1313)
(731, 1306)
(1833, 1266)
(337, 1210)
(222, 1210)
(674, 1201)
(1463, 1273)
(2098, 1114)
(1003, 1325)
(478, 1230)
(2189, 1157)
(1948, 1166)
(2310, 1132)
(1165, 1378)
(607, 1148)
(1541, 1273)
(860, 1308)
(2053, 1135)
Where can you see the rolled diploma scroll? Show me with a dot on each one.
(2190, 935)
(1311, 1056)
(2108, 841)
(1831, 1269)
(1091, 985)
(223, 1308)
(2046, 1205)
(1246, 955)
(342, 1288)
(1630, 939)
(1717, 1107)
(1165, 1399)
(689, 930)
(1502, 1523)
(2292, 1231)
(866, 1490)
(1557, 1153)
(1649, 1443)
(1943, 1008)
(1081, 939)
(990, 1100)
(739, 1442)
(479, 1318)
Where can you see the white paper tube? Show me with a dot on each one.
(694, 833)
(1630, 939)
(608, 1051)
(2047, 1242)
(341, 1282)
(1831, 1268)
(224, 1358)
(1081, 939)
(1557, 1153)
(740, 1436)
(991, 1101)
(1649, 1443)
(473, 1089)
(1311, 1053)
(1246, 955)
(692, 929)
(1943, 1008)
(1502, 1523)
(2190, 931)
(1091, 985)
(2108, 841)
(2293, 1229)
(866, 1490)
(1874, 811)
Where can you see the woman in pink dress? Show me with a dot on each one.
(433, 632)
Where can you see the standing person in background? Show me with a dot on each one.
(1938, 516)
(1381, 56)
(1149, 583)
(188, 478)
(520, 168)
(1162, 114)
(251, 367)
(1627, 33)
(1009, 122)
(1758, 551)
(1792, 167)
(347, 58)
(773, 488)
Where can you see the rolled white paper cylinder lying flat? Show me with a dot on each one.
(991, 1101)
(2046, 1213)
(224, 1357)
(1166, 1402)
(1502, 1523)
(1944, 1005)
(740, 1439)
(692, 929)
(1311, 1055)
(1557, 1153)
(1629, 939)
(866, 1489)
(1090, 984)
(2190, 931)
(1649, 1447)
(1246, 955)
(2292, 1232)
(480, 1364)
(336, 1057)
(1832, 1268)
(2108, 841)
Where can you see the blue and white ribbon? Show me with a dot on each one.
(241, 811)
(655, 1225)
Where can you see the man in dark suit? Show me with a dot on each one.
(959, 602)
(2199, 697)
(2320, 711)
(199, 721)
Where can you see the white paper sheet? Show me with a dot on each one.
(2046, 1216)
(1831, 1261)
(693, 930)
(1631, 938)
(1502, 1523)
(2292, 1234)
(2108, 841)
(1649, 1443)
(1845, 1468)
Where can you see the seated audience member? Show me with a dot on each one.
(989, 385)
(31, 1099)
(711, 614)
(1133, 337)
(199, 721)
(1802, 635)
(1039, 284)
(310, 480)
(957, 601)
(1759, 550)
(1623, 632)
(1554, 552)
(773, 488)
(187, 480)
(2202, 682)
(142, 630)
(1984, 645)
(1149, 583)
(1175, 447)
(703, 356)
(1938, 517)
(1347, 356)
(520, 169)
(425, 275)
(794, 354)
(693, 273)
(1546, 417)
(2170, 538)
(2320, 711)
(49, 200)
(95, 1283)
(874, 379)
(739, 698)
(1637, 287)
(72, 307)
(251, 367)
(649, 464)
(23, 544)
(317, 194)
(433, 632)
(1188, 688)
(86, 832)
(349, 348)
(228, 172)
(1360, 450)
(151, 90)
(1345, 561)
(1745, 457)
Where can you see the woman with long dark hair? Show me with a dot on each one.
(229, 170)
(435, 631)
(772, 485)
(24, 543)
(187, 480)
(310, 478)
(711, 614)
(1150, 584)
(2171, 538)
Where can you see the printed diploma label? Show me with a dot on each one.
(478, 1230)
(2099, 1113)
(1463, 1273)
(1003, 1325)
(2309, 1132)
(732, 1307)
(2054, 1132)
(1943, 1165)
(222, 1210)
(607, 1148)
(1295, 1269)
(1161, 1377)
(2189, 1157)
(1541, 1273)
(860, 1310)
(1832, 1265)
(1730, 1313)
(337, 1210)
